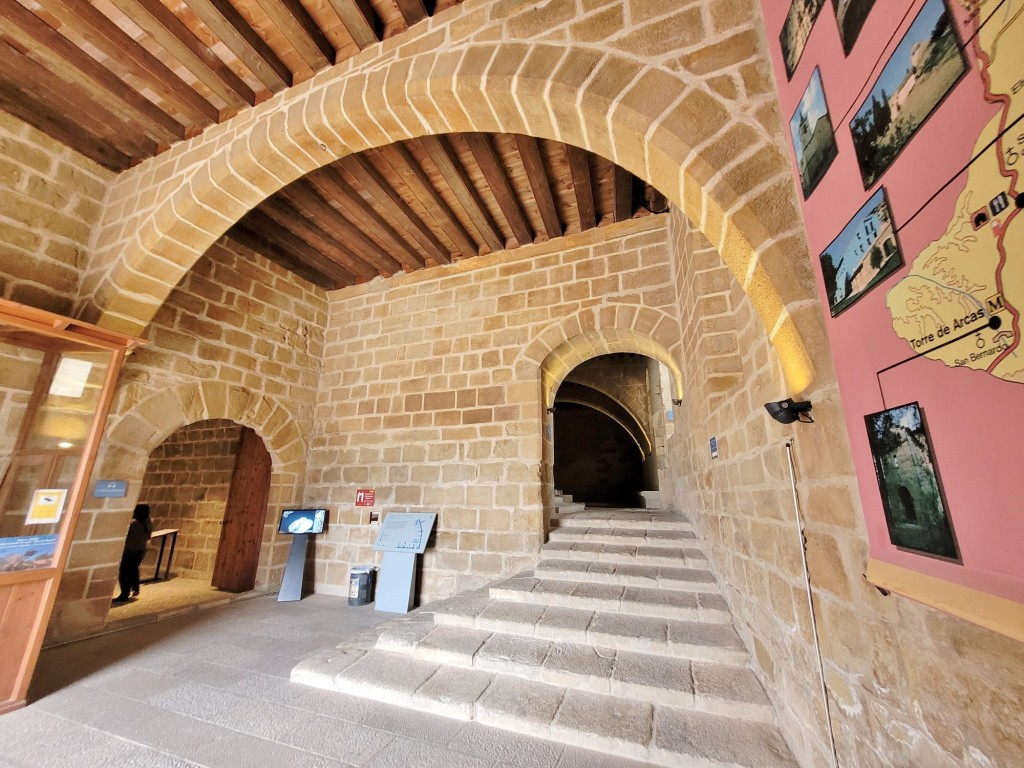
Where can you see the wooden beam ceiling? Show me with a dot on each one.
(423, 203)
(120, 81)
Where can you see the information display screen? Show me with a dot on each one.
(302, 521)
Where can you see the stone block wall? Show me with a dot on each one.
(908, 685)
(427, 397)
(186, 484)
(240, 339)
(50, 201)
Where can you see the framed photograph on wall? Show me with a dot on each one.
(814, 142)
(925, 66)
(796, 30)
(915, 508)
(863, 255)
(850, 16)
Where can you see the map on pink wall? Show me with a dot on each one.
(916, 231)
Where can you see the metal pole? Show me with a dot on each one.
(810, 603)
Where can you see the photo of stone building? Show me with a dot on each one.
(512, 263)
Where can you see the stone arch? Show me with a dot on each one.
(710, 156)
(131, 438)
(601, 331)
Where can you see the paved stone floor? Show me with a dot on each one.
(211, 688)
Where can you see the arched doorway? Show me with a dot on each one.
(207, 485)
(606, 431)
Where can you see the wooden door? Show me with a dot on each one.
(241, 533)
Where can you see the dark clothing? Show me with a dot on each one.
(134, 550)
(128, 574)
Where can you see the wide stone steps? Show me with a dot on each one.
(656, 733)
(705, 686)
(683, 557)
(709, 641)
(638, 537)
(623, 521)
(619, 641)
(636, 601)
(696, 579)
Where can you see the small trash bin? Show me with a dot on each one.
(360, 584)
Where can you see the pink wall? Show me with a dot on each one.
(975, 420)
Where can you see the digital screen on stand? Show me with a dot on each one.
(302, 521)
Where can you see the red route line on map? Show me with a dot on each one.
(1012, 175)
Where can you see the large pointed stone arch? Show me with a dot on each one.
(709, 154)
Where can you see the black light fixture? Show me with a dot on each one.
(788, 411)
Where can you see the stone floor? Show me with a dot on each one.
(211, 688)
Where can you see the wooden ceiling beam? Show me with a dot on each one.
(129, 56)
(301, 31)
(579, 167)
(330, 183)
(370, 179)
(448, 165)
(270, 231)
(173, 36)
(405, 166)
(490, 166)
(89, 116)
(253, 241)
(281, 211)
(412, 11)
(234, 31)
(25, 106)
(303, 197)
(55, 52)
(536, 175)
(622, 194)
(359, 18)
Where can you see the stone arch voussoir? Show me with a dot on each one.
(653, 122)
(601, 331)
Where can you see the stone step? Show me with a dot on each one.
(638, 537)
(678, 556)
(658, 734)
(566, 497)
(569, 506)
(635, 601)
(724, 689)
(661, 576)
(643, 519)
(703, 641)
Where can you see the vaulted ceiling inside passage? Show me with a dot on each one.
(120, 81)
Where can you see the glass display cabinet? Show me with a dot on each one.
(57, 378)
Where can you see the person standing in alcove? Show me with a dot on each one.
(135, 545)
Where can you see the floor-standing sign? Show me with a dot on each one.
(403, 537)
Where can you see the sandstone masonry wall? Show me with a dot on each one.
(239, 339)
(186, 484)
(427, 397)
(908, 685)
(51, 200)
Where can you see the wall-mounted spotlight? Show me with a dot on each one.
(788, 411)
(677, 403)
(551, 409)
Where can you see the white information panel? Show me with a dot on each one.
(405, 532)
(403, 537)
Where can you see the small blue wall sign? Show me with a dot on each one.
(110, 489)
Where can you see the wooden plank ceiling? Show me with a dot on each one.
(120, 81)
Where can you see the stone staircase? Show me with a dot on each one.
(618, 641)
(564, 503)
